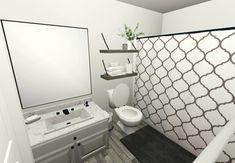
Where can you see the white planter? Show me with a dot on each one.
(129, 45)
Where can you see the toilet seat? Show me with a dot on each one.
(129, 114)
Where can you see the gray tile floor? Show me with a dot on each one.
(117, 152)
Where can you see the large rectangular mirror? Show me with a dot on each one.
(50, 62)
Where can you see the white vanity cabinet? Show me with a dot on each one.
(62, 155)
(75, 146)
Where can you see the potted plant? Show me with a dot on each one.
(130, 35)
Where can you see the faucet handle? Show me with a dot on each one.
(86, 104)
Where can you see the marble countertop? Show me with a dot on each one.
(37, 130)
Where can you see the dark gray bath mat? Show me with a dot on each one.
(150, 146)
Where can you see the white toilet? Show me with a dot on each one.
(129, 116)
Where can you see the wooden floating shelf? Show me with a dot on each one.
(107, 77)
(119, 51)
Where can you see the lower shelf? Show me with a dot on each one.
(107, 77)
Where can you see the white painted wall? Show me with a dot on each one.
(10, 110)
(208, 15)
(105, 16)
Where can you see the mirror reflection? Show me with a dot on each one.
(50, 62)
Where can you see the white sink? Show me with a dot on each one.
(61, 121)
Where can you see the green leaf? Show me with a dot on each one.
(130, 34)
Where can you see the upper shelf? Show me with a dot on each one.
(119, 51)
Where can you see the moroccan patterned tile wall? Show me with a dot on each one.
(186, 87)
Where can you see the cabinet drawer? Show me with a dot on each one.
(59, 156)
(64, 140)
(92, 144)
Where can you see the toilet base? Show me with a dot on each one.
(126, 129)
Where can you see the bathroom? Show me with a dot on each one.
(107, 17)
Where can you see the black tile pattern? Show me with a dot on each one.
(186, 86)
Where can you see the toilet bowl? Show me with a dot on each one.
(129, 116)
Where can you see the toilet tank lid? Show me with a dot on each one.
(121, 95)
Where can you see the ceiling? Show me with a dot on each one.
(163, 6)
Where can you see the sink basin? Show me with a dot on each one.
(61, 121)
